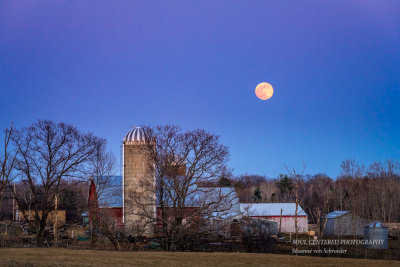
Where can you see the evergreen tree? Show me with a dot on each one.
(285, 185)
(257, 195)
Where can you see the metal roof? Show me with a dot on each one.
(375, 224)
(222, 201)
(111, 196)
(270, 209)
(216, 202)
(135, 135)
(336, 214)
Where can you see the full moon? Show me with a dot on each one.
(264, 91)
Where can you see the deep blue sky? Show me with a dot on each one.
(106, 65)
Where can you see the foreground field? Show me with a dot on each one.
(65, 257)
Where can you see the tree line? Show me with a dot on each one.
(372, 191)
(50, 165)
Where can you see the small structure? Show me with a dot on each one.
(52, 216)
(376, 235)
(343, 223)
(282, 213)
(85, 218)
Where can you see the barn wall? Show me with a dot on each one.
(344, 225)
(114, 215)
(329, 227)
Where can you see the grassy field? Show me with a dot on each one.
(65, 257)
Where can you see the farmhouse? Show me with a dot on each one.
(282, 213)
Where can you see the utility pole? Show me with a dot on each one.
(30, 200)
(55, 221)
(13, 204)
(15, 207)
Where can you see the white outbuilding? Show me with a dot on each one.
(283, 213)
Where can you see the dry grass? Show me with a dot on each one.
(65, 257)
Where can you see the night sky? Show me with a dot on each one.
(106, 65)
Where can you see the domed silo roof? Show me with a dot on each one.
(136, 135)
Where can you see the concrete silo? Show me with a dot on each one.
(138, 184)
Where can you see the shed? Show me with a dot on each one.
(52, 216)
(85, 218)
(343, 223)
(282, 213)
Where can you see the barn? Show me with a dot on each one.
(282, 213)
(222, 203)
(343, 223)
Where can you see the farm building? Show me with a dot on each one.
(282, 213)
(344, 223)
(222, 202)
(109, 203)
(52, 217)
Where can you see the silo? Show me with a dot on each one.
(376, 236)
(138, 184)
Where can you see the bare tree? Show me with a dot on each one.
(353, 173)
(296, 178)
(268, 191)
(101, 172)
(7, 160)
(109, 228)
(383, 180)
(256, 234)
(317, 198)
(48, 153)
(184, 162)
(247, 184)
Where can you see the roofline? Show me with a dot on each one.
(275, 216)
(269, 203)
(347, 212)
